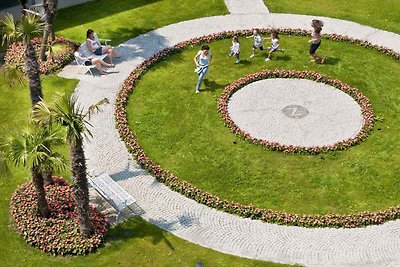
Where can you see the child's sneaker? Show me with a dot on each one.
(252, 56)
(237, 61)
(267, 59)
(197, 91)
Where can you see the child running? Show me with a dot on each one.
(235, 49)
(274, 45)
(258, 42)
(203, 60)
(316, 40)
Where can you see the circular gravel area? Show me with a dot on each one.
(295, 112)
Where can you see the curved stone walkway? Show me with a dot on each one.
(370, 246)
(246, 7)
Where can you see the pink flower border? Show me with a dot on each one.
(15, 55)
(362, 100)
(353, 220)
(59, 234)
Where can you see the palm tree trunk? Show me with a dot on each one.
(48, 178)
(37, 180)
(22, 6)
(44, 42)
(80, 187)
(32, 70)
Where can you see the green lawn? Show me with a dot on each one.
(184, 133)
(130, 18)
(135, 242)
(382, 14)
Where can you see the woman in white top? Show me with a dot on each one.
(96, 48)
(316, 40)
(203, 60)
(274, 45)
(87, 61)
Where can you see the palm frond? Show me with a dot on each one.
(29, 26)
(41, 114)
(93, 109)
(12, 75)
(4, 170)
(33, 148)
(8, 28)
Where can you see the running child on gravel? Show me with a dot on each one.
(235, 49)
(274, 45)
(258, 42)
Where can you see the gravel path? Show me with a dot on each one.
(370, 246)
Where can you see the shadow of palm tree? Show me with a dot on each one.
(137, 228)
(78, 15)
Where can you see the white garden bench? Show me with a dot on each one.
(112, 192)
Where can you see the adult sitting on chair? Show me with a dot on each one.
(87, 61)
(95, 47)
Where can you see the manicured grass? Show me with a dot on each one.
(382, 14)
(184, 133)
(136, 242)
(130, 18)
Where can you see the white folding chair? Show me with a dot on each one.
(101, 40)
(37, 10)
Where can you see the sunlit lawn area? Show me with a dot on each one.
(382, 14)
(136, 242)
(365, 177)
(184, 133)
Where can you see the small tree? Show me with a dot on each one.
(50, 7)
(70, 115)
(28, 27)
(31, 150)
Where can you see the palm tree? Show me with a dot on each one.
(28, 27)
(22, 6)
(68, 113)
(30, 150)
(50, 7)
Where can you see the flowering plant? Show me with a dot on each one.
(59, 234)
(358, 219)
(15, 55)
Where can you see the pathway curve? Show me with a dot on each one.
(246, 7)
(370, 246)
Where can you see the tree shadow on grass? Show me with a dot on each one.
(94, 10)
(137, 228)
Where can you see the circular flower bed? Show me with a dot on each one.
(363, 101)
(15, 55)
(249, 211)
(58, 234)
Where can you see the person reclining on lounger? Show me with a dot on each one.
(87, 61)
